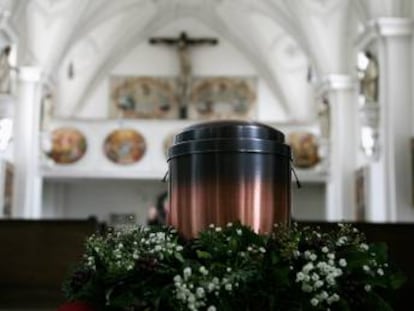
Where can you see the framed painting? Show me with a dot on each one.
(143, 97)
(304, 149)
(223, 98)
(124, 146)
(68, 145)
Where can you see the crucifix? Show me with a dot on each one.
(183, 44)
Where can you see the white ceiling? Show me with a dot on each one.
(276, 36)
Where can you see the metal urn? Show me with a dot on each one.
(226, 171)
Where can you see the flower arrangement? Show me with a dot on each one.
(234, 268)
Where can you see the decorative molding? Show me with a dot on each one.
(336, 82)
(384, 27)
(30, 74)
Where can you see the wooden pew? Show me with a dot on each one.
(35, 257)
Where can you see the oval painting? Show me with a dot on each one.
(304, 148)
(68, 146)
(125, 146)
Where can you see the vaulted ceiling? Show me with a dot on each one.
(275, 36)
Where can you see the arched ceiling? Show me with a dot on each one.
(277, 37)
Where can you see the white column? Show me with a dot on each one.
(340, 190)
(390, 182)
(27, 182)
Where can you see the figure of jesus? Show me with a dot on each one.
(183, 44)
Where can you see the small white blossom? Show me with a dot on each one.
(300, 276)
(200, 292)
(380, 272)
(342, 262)
(239, 232)
(314, 302)
(229, 224)
(325, 249)
(367, 288)
(366, 268)
(203, 270)
(364, 246)
(187, 272)
(211, 308)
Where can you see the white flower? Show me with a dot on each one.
(314, 302)
(315, 276)
(187, 272)
(325, 249)
(318, 283)
(211, 308)
(262, 250)
(364, 246)
(228, 269)
(211, 287)
(307, 288)
(380, 272)
(178, 248)
(307, 268)
(239, 232)
(218, 229)
(203, 270)
(228, 287)
(367, 288)
(323, 295)
(366, 268)
(331, 256)
(229, 224)
(200, 292)
(177, 279)
(342, 262)
(313, 257)
(211, 226)
(300, 276)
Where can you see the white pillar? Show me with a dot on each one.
(27, 182)
(340, 190)
(390, 182)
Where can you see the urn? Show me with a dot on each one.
(227, 171)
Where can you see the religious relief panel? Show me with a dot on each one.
(223, 98)
(68, 145)
(304, 148)
(143, 97)
(158, 98)
(124, 146)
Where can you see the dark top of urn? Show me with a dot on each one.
(229, 129)
(224, 136)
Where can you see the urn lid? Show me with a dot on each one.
(229, 136)
(229, 129)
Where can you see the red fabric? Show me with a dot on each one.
(76, 306)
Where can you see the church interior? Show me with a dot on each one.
(93, 92)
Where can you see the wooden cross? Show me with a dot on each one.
(182, 44)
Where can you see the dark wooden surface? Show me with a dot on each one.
(35, 256)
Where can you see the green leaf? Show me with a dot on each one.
(203, 254)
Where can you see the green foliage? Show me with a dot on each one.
(233, 268)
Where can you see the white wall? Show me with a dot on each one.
(308, 202)
(145, 59)
(99, 198)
